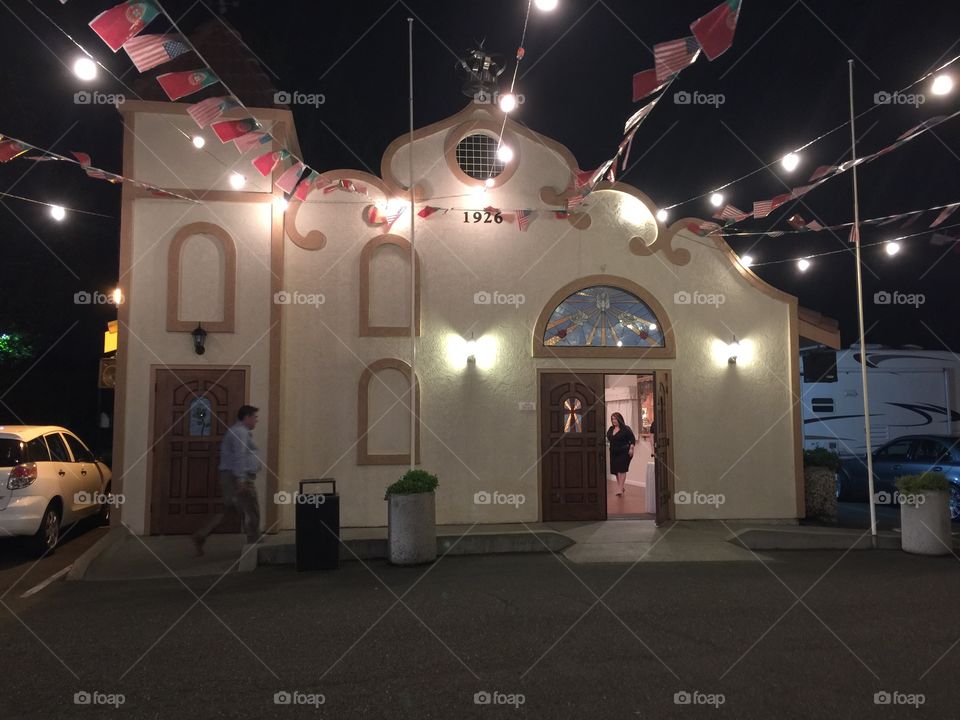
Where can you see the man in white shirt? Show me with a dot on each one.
(239, 465)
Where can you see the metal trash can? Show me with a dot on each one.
(318, 527)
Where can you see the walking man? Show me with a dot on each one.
(239, 465)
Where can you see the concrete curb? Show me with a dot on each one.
(763, 539)
(472, 544)
(82, 563)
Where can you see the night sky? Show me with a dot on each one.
(783, 83)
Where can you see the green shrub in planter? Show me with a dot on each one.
(413, 482)
(924, 482)
(821, 457)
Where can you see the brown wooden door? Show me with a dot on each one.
(573, 447)
(663, 445)
(192, 410)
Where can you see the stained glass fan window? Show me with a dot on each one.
(603, 316)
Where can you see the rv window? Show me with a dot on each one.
(821, 405)
(927, 451)
(820, 367)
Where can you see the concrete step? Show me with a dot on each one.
(816, 538)
(479, 543)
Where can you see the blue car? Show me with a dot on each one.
(908, 455)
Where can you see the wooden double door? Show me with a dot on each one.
(193, 408)
(573, 424)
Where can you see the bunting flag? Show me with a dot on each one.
(574, 202)
(796, 222)
(427, 211)
(765, 207)
(774, 233)
(634, 120)
(246, 143)
(814, 225)
(268, 161)
(9, 149)
(646, 83)
(731, 214)
(673, 56)
(149, 51)
(823, 171)
(925, 125)
(288, 180)
(891, 219)
(561, 215)
(524, 217)
(118, 24)
(703, 229)
(854, 235)
(715, 30)
(910, 222)
(802, 190)
(307, 184)
(625, 146)
(206, 111)
(492, 210)
(941, 239)
(228, 130)
(944, 214)
(180, 84)
(583, 178)
(87, 164)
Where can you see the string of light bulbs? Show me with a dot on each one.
(943, 85)
(58, 212)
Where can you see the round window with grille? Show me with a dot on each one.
(477, 156)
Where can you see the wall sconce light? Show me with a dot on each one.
(471, 350)
(199, 338)
(733, 350)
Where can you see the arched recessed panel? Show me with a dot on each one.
(385, 288)
(383, 414)
(201, 279)
(603, 316)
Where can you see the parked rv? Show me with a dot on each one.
(911, 391)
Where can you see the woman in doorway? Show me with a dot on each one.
(622, 442)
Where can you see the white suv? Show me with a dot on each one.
(48, 478)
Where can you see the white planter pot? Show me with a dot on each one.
(925, 525)
(412, 528)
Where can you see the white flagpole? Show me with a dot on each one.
(414, 420)
(863, 346)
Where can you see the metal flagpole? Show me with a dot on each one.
(414, 420)
(863, 348)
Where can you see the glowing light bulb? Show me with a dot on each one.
(746, 260)
(281, 204)
(489, 182)
(716, 199)
(198, 141)
(790, 162)
(57, 213)
(237, 181)
(662, 215)
(85, 68)
(505, 154)
(892, 248)
(803, 264)
(942, 84)
(546, 5)
(508, 102)
(653, 326)
(117, 296)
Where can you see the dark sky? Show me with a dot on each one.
(784, 82)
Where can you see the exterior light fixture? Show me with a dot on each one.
(662, 215)
(892, 248)
(237, 181)
(198, 141)
(942, 85)
(471, 350)
(716, 199)
(746, 260)
(790, 162)
(508, 102)
(803, 264)
(85, 68)
(199, 339)
(733, 351)
(57, 213)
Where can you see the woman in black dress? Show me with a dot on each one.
(622, 441)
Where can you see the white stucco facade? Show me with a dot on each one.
(735, 426)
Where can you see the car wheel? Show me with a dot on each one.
(103, 515)
(47, 537)
(954, 502)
